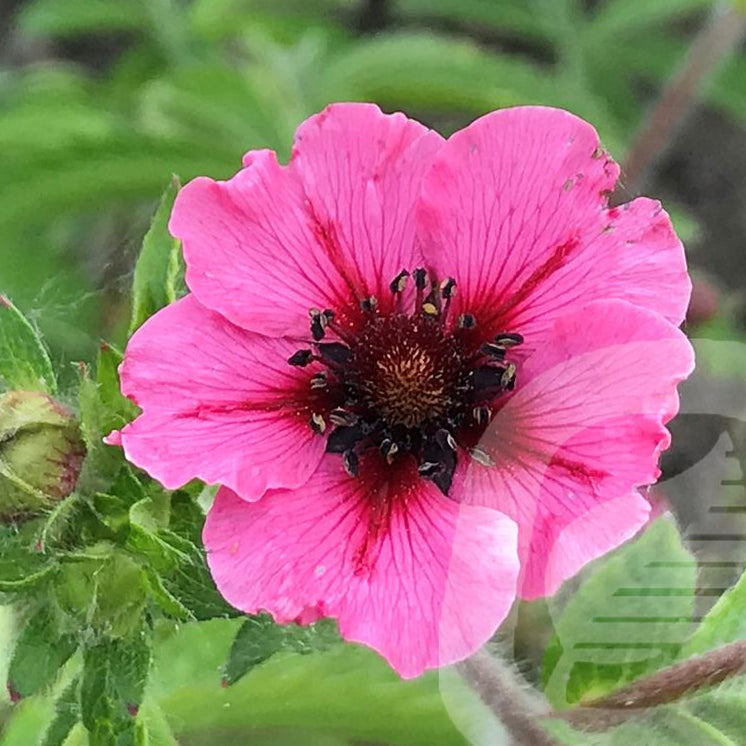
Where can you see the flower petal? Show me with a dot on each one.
(332, 228)
(585, 426)
(425, 586)
(219, 404)
(361, 170)
(515, 208)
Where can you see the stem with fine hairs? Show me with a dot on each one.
(518, 708)
(716, 41)
(660, 688)
(521, 709)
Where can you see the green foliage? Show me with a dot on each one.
(260, 638)
(348, 690)
(117, 570)
(111, 689)
(40, 651)
(158, 271)
(628, 618)
(23, 567)
(714, 718)
(24, 363)
(103, 408)
(725, 622)
(200, 82)
(67, 714)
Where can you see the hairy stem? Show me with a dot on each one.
(716, 41)
(660, 688)
(516, 706)
(521, 709)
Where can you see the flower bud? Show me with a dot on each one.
(41, 453)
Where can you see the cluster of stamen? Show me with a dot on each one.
(407, 383)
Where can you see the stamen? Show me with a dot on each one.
(450, 441)
(407, 381)
(317, 423)
(447, 290)
(509, 339)
(389, 450)
(351, 463)
(508, 377)
(342, 417)
(399, 282)
(481, 457)
(344, 438)
(420, 278)
(301, 358)
(318, 323)
(318, 381)
(488, 377)
(481, 415)
(493, 350)
(428, 468)
(334, 353)
(467, 321)
(368, 305)
(420, 282)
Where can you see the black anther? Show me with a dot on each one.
(301, 358)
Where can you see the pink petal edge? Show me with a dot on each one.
(330, 229)
(515, 208)
(427, 592)
(585, 426)
(219, 404)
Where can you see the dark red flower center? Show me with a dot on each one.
(408, 383)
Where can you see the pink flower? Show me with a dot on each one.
(492, 355)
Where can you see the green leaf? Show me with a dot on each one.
(260, 638)
(121, 593)
(23, 566)
(67, 714)
(167, 602)
(70, 18)
(159, 268)
(616, 17)
(175, 554)
(103, 408)
(515, 16)
(118, 409)
(348, 690)
(432, 73)
(630, 617)
(40, 652)
(24, 360)
(724, 623)
(113, 681)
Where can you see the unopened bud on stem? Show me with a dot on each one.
(41, 453)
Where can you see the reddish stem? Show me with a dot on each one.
(711, 47)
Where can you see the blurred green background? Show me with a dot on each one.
(101, 101)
